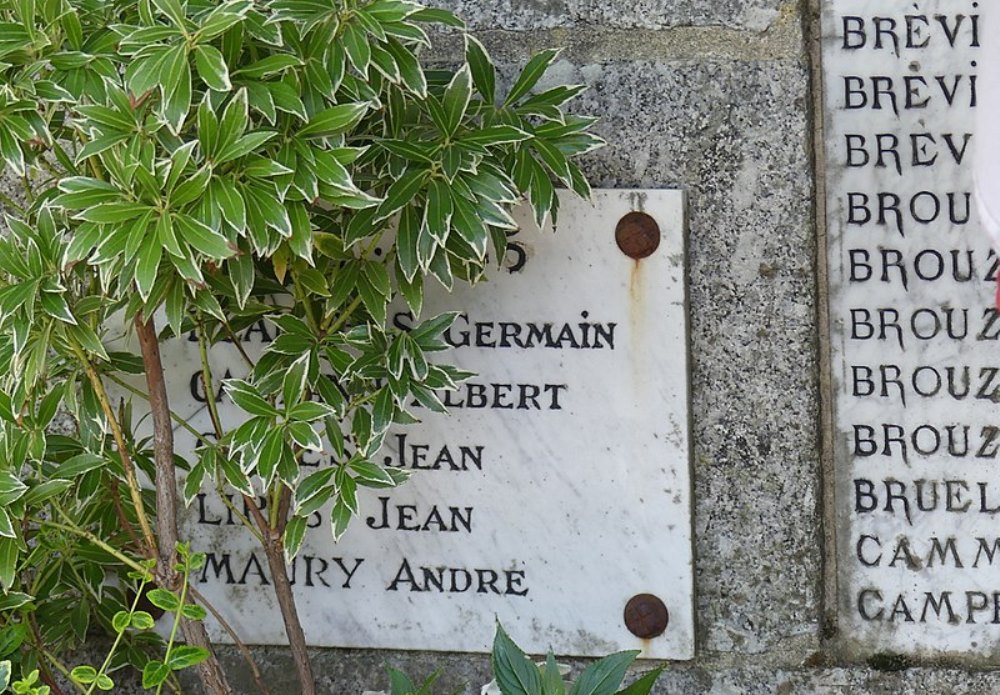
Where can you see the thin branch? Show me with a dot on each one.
(240, 645)
(275, 552)
(133, 484)
(238, 344)
(70, 527)
(174, 416)
(234, 511)
(209, 670)
(206, 378)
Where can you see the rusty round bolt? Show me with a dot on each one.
(637, 235)
(646, 616)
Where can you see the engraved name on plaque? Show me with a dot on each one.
(915, 357)
(555, 490)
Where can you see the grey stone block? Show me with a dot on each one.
(751, 15)
(734, 135)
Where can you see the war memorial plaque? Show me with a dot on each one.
(556, 489)
(914, 331)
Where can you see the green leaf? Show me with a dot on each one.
(356, 44)
(55, 306)
(406, 242)
(248, 398)
(162, 598)
(112, 213)
(532, 72)
(147, 266)
(230, 202)
(333, 121)
(221, 19)
(46, 491)
(84, 674)
(412, 289)
(294, 382)
(154, 673)
(604, 676)
(552, 682)
(8, 562)
(400, 683)
(340, 519)
(515, 674)
(286, 98)
(643, 685)
(413, 151)
(6, 525)
(295, 533)
(409, 68)
(495, 135)
(383, 410)
(371, 475)
(204, 239)
(268, 66)
(141, 620)
(11, 488)
(456, 99)
(88, 340)
(12, 637)
(176, 88)
(12, 601)
(483, 71)
(104, 682)
(174, 10)
(119, 623)
(469, 225)
(78, 465)
(212, 68)
(309, 411)
(192, 611)
(438, 211)
(270, 455)
(244, 145)
(401, 192)
(233, 122)
(438, 16)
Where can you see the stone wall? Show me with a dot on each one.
(715, 97)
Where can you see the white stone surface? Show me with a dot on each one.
(577, 506)
(921, 583)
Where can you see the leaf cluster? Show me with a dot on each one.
(210, 167)
(516, 674)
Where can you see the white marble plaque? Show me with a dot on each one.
(915, 358)
(557, 488)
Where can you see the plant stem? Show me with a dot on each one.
(233, 510)
(275, 552)
(70, 527)
(176, 418)
(303, 299)
(133, 484)
(51, 658)
(247, 656)
(238, 344)
(206, 379)
(209, 670)
(118, 638)
(346, 315)
(178, 620)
